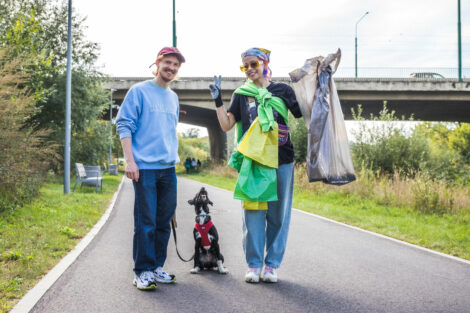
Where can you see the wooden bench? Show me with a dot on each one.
(89, 175)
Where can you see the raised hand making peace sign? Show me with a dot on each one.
(215, 90)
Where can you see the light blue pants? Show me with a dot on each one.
(269, 228)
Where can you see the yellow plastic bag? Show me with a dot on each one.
(248, 205)
(260, 146)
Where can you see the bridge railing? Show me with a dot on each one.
(399, 72)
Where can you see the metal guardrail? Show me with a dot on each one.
(399, 72)
(449, 73)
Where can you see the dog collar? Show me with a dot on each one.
(205, 226)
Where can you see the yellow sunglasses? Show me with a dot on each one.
(253, 65)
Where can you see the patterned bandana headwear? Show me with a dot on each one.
(263, 55)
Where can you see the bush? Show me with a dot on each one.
(459, 140)
(448, 151)
(299, 138)
(197, 148)
(25, 155)
(91, 146)
(386, 146)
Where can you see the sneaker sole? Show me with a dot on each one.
(269, 280)
(150, 287)
(166, 281)
(252, 280)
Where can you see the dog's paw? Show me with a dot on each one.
(195, 270)
(220, 268)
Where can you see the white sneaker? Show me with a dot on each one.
(163, 277)
(145, 281)
(269, 275)
(252, 276)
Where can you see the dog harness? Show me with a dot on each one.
(204, 231)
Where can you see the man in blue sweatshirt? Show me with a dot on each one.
(146, 124)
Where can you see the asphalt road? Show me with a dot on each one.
(327, 268)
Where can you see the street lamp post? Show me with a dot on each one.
(174, 25)
(355, 42)
(68, 105)
(459, 40)
(111, 128)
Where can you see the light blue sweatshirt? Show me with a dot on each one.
(149, 114)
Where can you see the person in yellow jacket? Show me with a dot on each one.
(259, 111)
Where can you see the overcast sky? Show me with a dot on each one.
(213, 33)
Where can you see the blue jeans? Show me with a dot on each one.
(154, 206)
(269, 228)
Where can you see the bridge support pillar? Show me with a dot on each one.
(217, 142)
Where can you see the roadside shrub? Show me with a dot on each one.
(385, 145)
(449, 146)
(197, 148)
(299, 138)
(25, 154)
(459, 140)
(91, 145)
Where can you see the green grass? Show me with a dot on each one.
(447, 233)
(211, 179)
(35, 237)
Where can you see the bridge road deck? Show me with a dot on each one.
(426, 99)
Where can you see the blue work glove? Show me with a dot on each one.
(216, 93)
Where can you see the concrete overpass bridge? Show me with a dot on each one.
(426, 99)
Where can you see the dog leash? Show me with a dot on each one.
(176, 243)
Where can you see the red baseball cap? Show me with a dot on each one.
(171, 50)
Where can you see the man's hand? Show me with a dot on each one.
(132, 171)
(215, 91)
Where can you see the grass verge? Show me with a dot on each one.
(448, 232)
(34, 238)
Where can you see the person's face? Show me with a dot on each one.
(168, 67)
(254, 67)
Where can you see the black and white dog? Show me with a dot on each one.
(207, 252)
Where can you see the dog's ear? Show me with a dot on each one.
(191, 201)
(210, 202)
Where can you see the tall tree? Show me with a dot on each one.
(37, 29)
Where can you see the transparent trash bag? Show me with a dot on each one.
(328, 156)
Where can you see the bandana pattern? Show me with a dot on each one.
(262, 54)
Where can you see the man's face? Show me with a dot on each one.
(168, 67)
